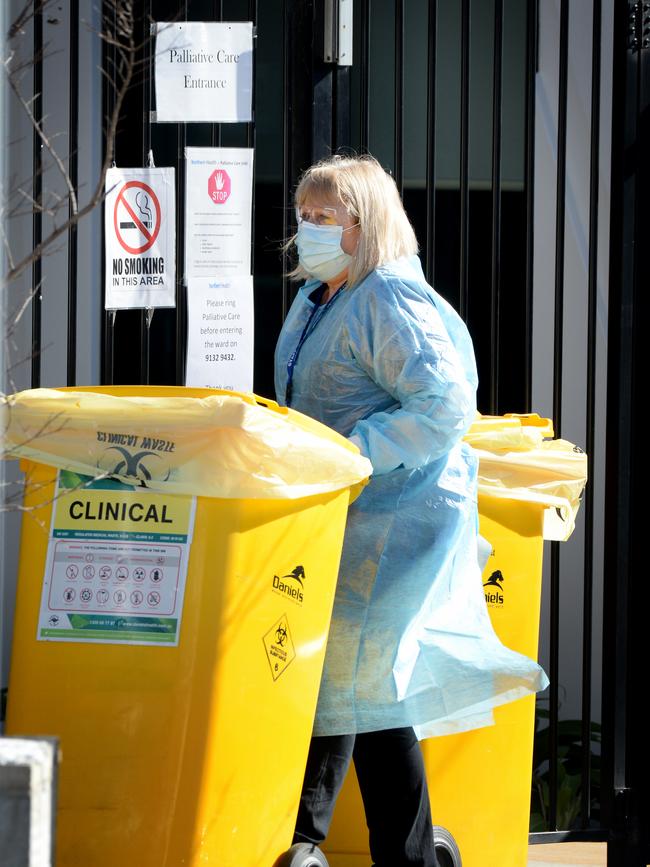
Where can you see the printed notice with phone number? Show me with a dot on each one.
(220, 333)
(116, 563)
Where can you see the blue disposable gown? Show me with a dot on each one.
(390, 364)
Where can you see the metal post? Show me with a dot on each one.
(73, 139)
(431, 142)
(590, 421)
(464, 159)
(529, 173)
(37, 192)
(619, 807)
(560, 210)
(399, 96)
(496, 205)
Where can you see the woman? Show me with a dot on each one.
(371, 350)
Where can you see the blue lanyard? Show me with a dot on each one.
(306, 331)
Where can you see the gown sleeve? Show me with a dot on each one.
(399, 338)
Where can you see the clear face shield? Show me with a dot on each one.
(316, 215)
(325, 215)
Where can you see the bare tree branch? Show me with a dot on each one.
(121, 39)
(17, 314)
(24, 17)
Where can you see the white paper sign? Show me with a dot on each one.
(220, 333)
(204, 72)
(218, 207)
(140, 234)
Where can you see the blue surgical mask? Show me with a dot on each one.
(319, 250)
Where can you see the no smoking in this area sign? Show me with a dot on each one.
(140, 226)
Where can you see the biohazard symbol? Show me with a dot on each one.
(132, 466)
(279, 648)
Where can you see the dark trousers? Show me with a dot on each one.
(393, 787)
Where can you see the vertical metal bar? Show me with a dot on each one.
(590, 421)
(215, 128)
(109, 52)
(463, 285)
(37, 192)
(560, 205)
(322, 115)
(341, 128)
(250, 128)
(529, 174)
(364, 78)
(215, 135)
(73, 139)
(431, 142)
(557, 394)
(618, 590)
(286, 159)
(306, 113)
(147, 102)
(399, 95)
(181, 288)
(496, 205)
(634, 799)
(342, 107)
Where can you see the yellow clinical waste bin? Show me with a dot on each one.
(480, 780)
(178, 561)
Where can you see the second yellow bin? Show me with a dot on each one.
(480, 781)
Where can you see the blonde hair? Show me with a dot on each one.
(370, 196)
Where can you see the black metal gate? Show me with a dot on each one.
(306, 108)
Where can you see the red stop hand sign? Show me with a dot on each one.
(219, 186)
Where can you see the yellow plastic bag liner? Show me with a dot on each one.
(518, 462)
(214, 444)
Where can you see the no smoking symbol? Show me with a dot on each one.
(136, 217)
(219, 186)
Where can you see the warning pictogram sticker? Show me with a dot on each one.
(136, 217)
(219, 186)
(279, 647)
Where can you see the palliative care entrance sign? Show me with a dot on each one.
(203, 72)
(116, 562)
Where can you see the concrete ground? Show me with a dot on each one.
(567, 855)
(543, 855)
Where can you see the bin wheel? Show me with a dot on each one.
(447, 851)
(302, 855)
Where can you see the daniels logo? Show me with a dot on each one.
(493, 588)
(291, 585)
